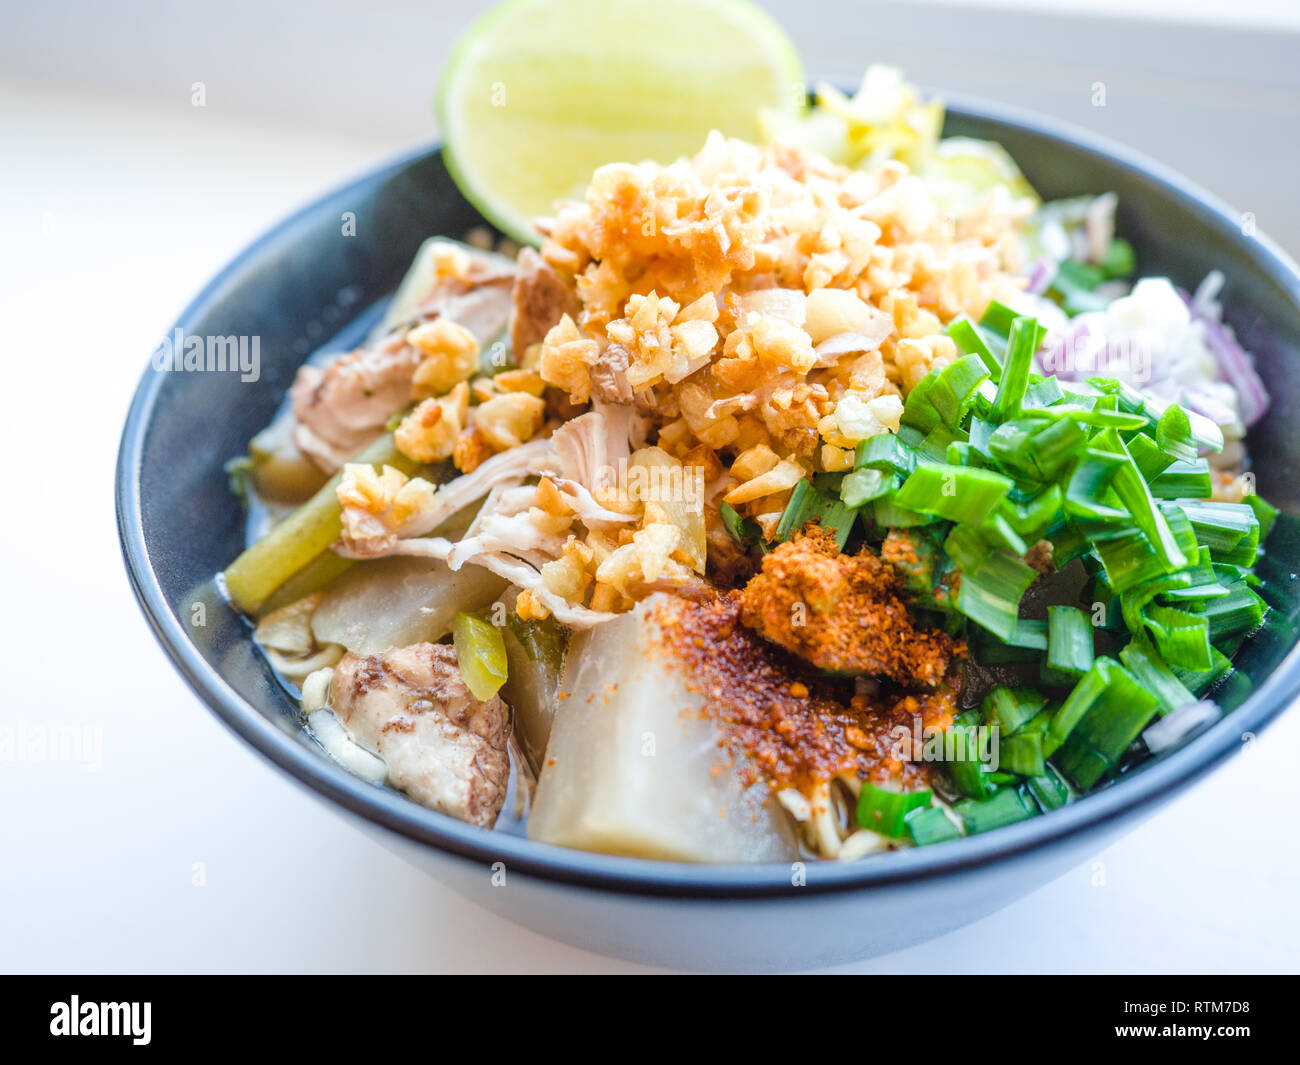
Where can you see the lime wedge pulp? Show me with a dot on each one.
(539, 93)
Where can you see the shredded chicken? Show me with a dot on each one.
(344, 406)
(609, 375)
(589, 448)
(443, 747)
(509, 467)
(521, 572)
(479, 300)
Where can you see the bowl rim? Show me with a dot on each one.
(1123, 799)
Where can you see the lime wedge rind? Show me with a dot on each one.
(673, 69)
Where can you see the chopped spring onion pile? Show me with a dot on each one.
(992, 458)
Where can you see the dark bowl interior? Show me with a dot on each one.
(306, 283)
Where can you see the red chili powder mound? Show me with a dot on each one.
(842, 613)
(793, 728)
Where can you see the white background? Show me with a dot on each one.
(182, 851)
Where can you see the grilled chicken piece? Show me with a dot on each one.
(541, 298)
(443, 747)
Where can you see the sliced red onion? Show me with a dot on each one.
(1040, 275)
(1204, 402)
(1173, 729)
(1235, 363)
(1070, 354)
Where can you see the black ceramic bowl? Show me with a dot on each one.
(305, 283)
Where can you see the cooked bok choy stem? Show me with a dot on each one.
(303, 537)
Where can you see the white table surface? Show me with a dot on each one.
(182, 851)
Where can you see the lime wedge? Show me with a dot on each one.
(982, 163)
(539, 93)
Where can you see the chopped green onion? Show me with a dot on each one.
(1069, 642)
(1150, 459)
(1011, 708)
(1126, 396)
(1094, 415)
(1075, 284)
(968, 338)
(990, 649)
(1265, 513)
(955, 387)
(1090, 691)
(969, 766)
(1120, 259)
(1029, 632)
(1182, 527)
(1182, 480)
(1049, 789)
(1111, 477)
(885, 452)
(934, 447)
(1088, 495)
(1022, 754)
(1037, 450)
(991, 593)
(886, 811)
(862, 486)
(740, 529)
(1144, 662)
(1022, 341)
(1203, 432)
(1200, 681)
(809, 505)
(958, 493)
(1129, 485)
(1005, 808)
(1229, 530)
(1042, 393)
(918, 411)
(1240, 611)
(889, 515)
(1102, 716)
(998, 319)
(999, 533)
(1183, 639)
(931, 826)
(1174, 434)
(1129, 560)
(828, 484)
